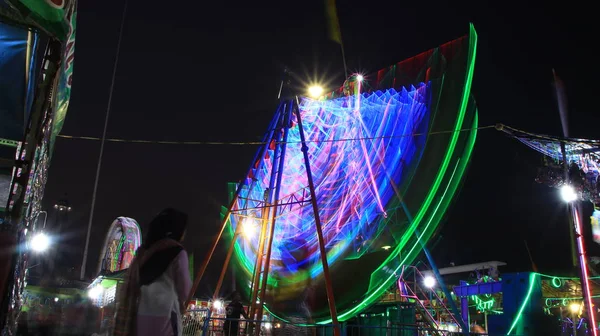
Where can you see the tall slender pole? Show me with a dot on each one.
(573, 240)
(226, 264)
(585, 283)
(313, 199)
(280, 167)
(259, 257)
(577, 239)
(110, 95)
(263, 258)
(344, 58)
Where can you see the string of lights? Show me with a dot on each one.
(255, 143)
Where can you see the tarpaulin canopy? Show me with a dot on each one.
(57, 20)
(17, 66)
(13, 63)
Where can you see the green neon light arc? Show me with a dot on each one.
(434, 205)
(556, 282)
(532, 278)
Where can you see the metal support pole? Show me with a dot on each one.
(485, 316)
(464, 309)
(585, 284)
(259, 259)
(313, 199)
(577, 238)
(571, 231)
(226, 263)
(262, 268)
(110, 95)
(280, 167)
(262, 284)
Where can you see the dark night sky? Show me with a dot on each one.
(210, 71)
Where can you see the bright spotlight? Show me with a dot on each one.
(95, 292)
(568, 194)
(429, 281)
(315, 91)
(55, 299)
(575, 307)
(360, 78)
(40, 242)
(218, 304)
(249, 228)
(386, 247)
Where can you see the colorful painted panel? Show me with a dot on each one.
(121, 243)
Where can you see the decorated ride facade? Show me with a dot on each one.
(120, 245)
(37, 44)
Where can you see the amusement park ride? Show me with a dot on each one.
(351, 184)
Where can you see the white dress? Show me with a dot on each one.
(159, 310)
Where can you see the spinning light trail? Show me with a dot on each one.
(351, 197)
(367, 152)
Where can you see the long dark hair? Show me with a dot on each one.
(169, 223)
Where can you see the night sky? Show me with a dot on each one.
(210, 72)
